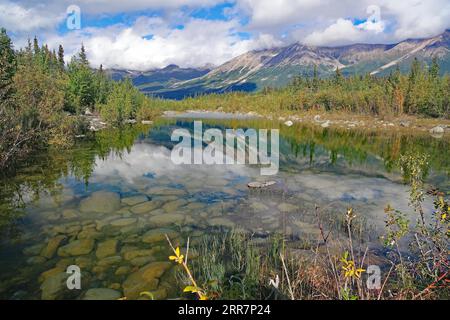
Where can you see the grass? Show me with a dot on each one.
(233, 265)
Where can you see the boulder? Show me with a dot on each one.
(157, 235)
(52, 245)
(172, 206)
(50, 273)
(106, 248)
(145, 279)
(70, 214)
(123, 270)
(123, 222)
(132, 254)
(105, 262)
(132, 201)
(53, 286)
(89, 233)
(437, 130)
(166, 219)
(140, 261)
(77, 248)
(146, 207)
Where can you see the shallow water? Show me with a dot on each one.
(106, 204)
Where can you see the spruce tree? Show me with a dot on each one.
(338, 77)
(61, 62)
(36, 48)
(434, 69)
(83, 57)
(8, 66)
(315, 81)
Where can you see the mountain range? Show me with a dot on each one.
(276, 67)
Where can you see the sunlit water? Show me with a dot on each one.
(106, 204)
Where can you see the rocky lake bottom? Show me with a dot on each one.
(112, 221)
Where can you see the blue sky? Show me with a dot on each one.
(145, 34)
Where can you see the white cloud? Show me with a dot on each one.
(318, 22)
(18, 19)
(320, 19)
(344, 31)
(341, 32)
(198, 43)
(416, 19)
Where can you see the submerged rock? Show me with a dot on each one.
(258, 185)
(70, 214)
(145, 279)
(123, 222)
(146, 207)
(89, 233)
(50, 273)
(132, 201)
(77, 248)
(123, 270)
(101, 202)
(106, 248)
(140, 261)
(52, 245)
(53, 286)
(135, 253)
(102, 294)
(174, 205)
(158, 235)
(166, 219)
(222, 222)
(84, 262)
(109, 261)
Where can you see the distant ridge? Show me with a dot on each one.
(277, 67)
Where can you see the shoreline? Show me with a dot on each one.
(333, 120)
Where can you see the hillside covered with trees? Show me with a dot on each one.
(421, 92)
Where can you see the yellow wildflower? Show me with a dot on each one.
(350, 268)
(178, 257)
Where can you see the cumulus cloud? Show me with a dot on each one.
(321, 19)
(150, 37)
(151, 43)
(344, 31)
(22, 19)
(418, 18)
(341, 32)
